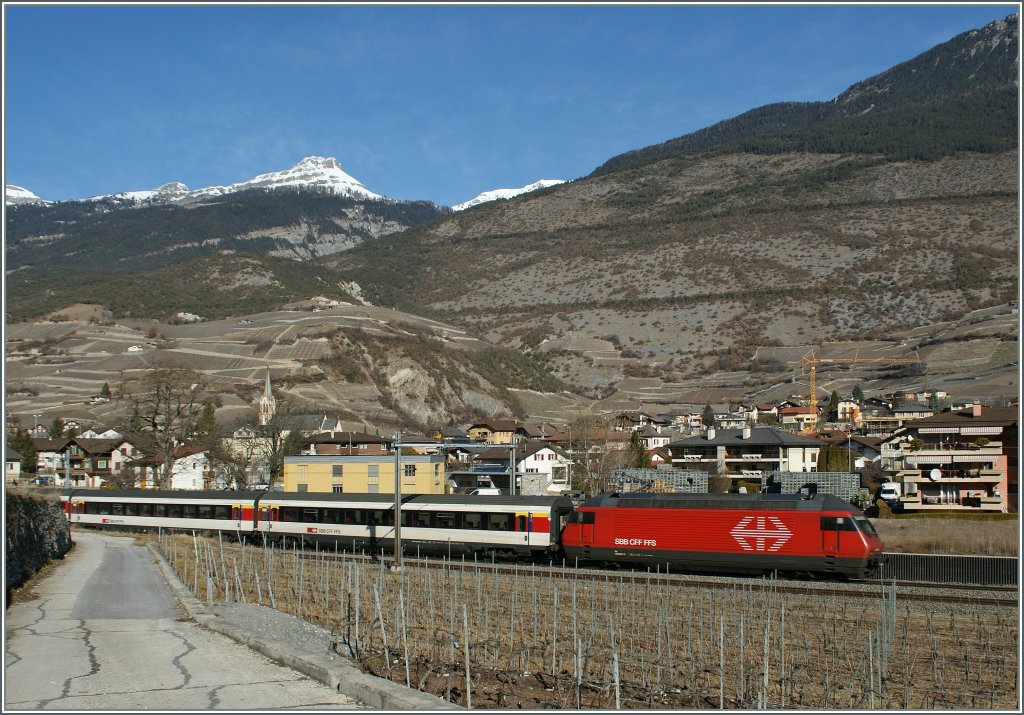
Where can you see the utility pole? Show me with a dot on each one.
(397, 566)
(398, 502)
(512, 468)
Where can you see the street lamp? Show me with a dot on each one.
(849, 451)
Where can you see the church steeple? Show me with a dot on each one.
(268, 405)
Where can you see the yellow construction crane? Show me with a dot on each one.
(811, 360)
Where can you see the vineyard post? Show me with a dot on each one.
(405, 636)
(721, 663)
(465, 638)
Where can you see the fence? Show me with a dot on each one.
(976, 570)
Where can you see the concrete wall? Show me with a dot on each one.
(37, 531)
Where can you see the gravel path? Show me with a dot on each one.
(276, 626)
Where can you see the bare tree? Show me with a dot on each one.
(253, 448)
(232, 461)
(124, 478)
(594, 453)
(163, 406)
(281, 436)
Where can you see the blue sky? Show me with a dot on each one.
(435, 102)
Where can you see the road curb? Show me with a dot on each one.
(333, 671)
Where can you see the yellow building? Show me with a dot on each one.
(364, 473)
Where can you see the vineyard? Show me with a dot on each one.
(537, 638)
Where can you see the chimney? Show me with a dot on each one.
(711, 433)
(976, 409)
(746, 431)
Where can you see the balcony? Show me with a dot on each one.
(962, 477)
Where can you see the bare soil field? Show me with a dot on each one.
(974, 537)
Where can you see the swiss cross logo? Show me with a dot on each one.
(105, 521)
(760, 533)
(310, 529)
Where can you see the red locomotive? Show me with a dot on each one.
(726, 533)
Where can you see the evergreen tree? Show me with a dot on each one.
(834, 458)
(858, 394)
(636, 455)
(206, 425)
(833, 405)
(21, 442)
(708, 418)
(56, 428)
(105, 390)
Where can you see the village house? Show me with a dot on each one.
(191, 469)
(12, 466)
(543, 468)
(50, 456)
(493, 431)
(364, 473)
(746, 453)
(959, 460)
(798, 418)
(651, 438)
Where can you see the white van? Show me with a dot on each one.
(486, 491)
(890, 492)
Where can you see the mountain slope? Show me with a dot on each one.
(959, 96)
(68, 247)
(790, 226)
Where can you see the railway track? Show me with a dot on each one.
(969, 594)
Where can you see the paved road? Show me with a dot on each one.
(105, 633)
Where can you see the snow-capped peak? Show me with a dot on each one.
(313, 172)
(167, 193)
(14, 195)
(506, 193)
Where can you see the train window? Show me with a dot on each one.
(204, 511)
(587, 517)
(145, 510)
(424, 518)
(865, 525)
(380, 517)
(290, 513)
(472, 520)
(310, 516)
(329, 516)
(131, 509)
(220, 511)
(837, 523)
(159, 510)
(117, 509)
(445, 520)
(355, 516)
(174, 511)
(90, 508)
(499, 522)
(520, 523)
(188, 511)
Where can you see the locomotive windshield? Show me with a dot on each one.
(865, 525)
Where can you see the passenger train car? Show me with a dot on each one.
(723, 533)
(726, 533)
(506, 526)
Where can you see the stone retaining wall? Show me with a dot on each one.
(37, 532)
